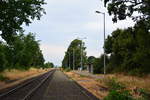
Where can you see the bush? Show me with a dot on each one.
(144, 93)
(67, 70)
(117, 91)
(119, 95)
(3, 78)
(113, 84)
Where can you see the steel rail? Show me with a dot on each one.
(24, 84)
(38, 86)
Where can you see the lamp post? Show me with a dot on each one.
(69, 59)
(73, 59)
(81, 51)
(104, 41)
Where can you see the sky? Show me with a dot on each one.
(66, 20)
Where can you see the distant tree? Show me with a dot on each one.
(48, 65)
(91, 60)
(99, 64)
(15, 13)
(74, 49)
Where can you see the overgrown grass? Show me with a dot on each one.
(83, 76)
(3, 78)
(113, 84)
(67, 69)
(118, 91)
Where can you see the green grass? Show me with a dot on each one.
(67, 69)
(3, 78)
(83, 76)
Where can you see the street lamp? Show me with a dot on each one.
(81, 51)
(104, 40)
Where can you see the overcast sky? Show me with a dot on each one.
(68, 19)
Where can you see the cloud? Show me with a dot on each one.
(92, 26)
(53, 53)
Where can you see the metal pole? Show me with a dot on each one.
(69, 60)
(81, 57)
(81, 52)
(104, 42)
(104, 47)
(73, 59)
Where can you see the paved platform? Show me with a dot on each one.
(86, 73)
(60, 87)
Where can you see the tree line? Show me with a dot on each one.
(23, 53)
(17, 50)
(72, 58)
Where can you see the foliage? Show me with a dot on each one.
(99, 64)
(113, 84)
(48, 65)
(3, 61)
(119, 95)
(73, 54)
(15, 13)
(3, 78)
(23, 53)
(67, 69)
(121, 9)
(117, 90)
(145, 94)
(129, 50)
(91, 60)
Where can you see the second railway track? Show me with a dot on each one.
(24, 90)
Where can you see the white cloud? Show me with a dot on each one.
(53, 53)
(92, 26)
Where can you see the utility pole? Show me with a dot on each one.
(81, 51)
(104, 41)
(69, 59)
(73, 59)
(81, 57)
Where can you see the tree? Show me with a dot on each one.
(48, 65)
(3, 60)
(24, 52)
(74, 51)
(129, 50)
(99, 64)
(15, 13)
(91, 60)
(126, 8)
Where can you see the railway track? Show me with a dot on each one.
(25, 90)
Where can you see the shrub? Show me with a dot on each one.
(117, 90)
(67, 69)
(119, 95)
(3, 78)
(144, 93)
(113, 84)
